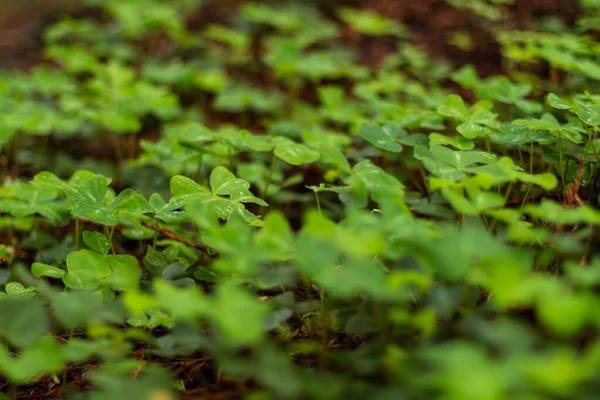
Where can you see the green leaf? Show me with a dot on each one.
(154, 259)
(80, 281)
(354, 277)
(296, 154)
(172, 271)
(183, 186)
(449, 164)
(484, 200)
(550, 124)
(123, 197)
(23, 321)
(471, 130)
(85, 268)
(554, 212)
(43, 357)
(96, 214)
(168, 212)
(49, 180)
(130, 201)
(17, 290)
(39, 269)
(185, 304)
(459, 202)
(381, 137)
(76, 309)
(371, 23)
(238, 316)
(96, 241)
(220, 179)
(558, 102)
(589, 114)
(565, 313)
(459, 142)
(454, 107)
(90, 192)
(333, 156)
(87, 195)
(379, 183)
(139, 319)
(224, 183)
(261, 143)
(206, 275)
(125, 273)
(547, 181)
(276, 235)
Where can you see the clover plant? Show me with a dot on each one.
(296, 200)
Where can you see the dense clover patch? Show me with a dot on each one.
(246, 209)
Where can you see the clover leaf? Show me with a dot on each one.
(40, 269)
(474, 122)
(88, 270)
(382, 137)
(549, 123)
(589, 114)
(30, 199)
(295, 153)
(224, 183)
(88, 197)
(450, 164)
(371, 23)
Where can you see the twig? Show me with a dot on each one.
(572, 194)
(174, 236)
(163, 231)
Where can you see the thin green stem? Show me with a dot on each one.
(508, 192)
(38, 242)
(280, 285)
(155, 235)
(3, 167)
(270, 176)
(318, 202)
(520, 153)
(14, 145)
(199, 171)
(506, 197)
(422, 191)
(108, 236)
(594, 149)
(531, 157)
(110, 239)
(64, 376)
(425, 184)
(324, 326)
(293, 96)
(525, 198)
(531, 172)
(487, 224)
(77, 233)
(560, 164)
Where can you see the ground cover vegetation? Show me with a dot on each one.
(245, 206)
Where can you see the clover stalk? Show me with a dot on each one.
(270, 176)
(77, 232)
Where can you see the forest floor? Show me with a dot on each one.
(429, 22)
